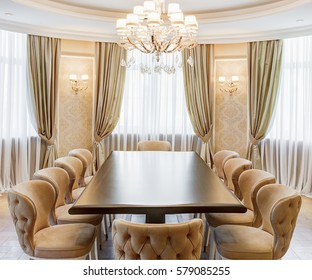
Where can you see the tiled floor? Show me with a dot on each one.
(300, 248)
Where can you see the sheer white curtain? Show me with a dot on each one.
(287, 152)
(153, 105)
(19, 145)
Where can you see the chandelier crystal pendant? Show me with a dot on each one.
(151, 31)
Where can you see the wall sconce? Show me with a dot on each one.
(229, 87)
(78, 84)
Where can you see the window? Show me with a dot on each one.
(154, 102)
(17, 146)
(14, 120)
(293, 112)
(287, 150)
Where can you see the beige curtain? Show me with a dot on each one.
(43, 68)
(199, 94)
(264, 65)
(110, 79)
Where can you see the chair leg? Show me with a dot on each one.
(110, 219)
(99, 236)
(207, 234)
(104, 226)
(212, 245)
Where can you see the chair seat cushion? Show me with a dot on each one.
(218, 219)
(63, 217)
(64, 241)
(77, 192)
(243, 243)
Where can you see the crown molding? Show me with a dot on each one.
(256, 36)
(111, 37)
(57, 33)
(205, 17)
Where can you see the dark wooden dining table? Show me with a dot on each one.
(155, 183)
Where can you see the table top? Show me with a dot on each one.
(155, 183)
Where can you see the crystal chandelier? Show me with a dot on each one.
(151, 31)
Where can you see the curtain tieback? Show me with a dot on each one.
(253, 140)
(95, 145)
(206, 138)
(50, 142)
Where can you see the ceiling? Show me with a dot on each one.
(219, 21)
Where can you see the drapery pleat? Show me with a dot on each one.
(286, 152)
(110, 79)
(20, 147)
(198, 83)
(44, 55)
(264, 65)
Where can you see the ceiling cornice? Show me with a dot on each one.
(205, 17)
(204, 39)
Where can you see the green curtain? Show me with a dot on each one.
(199, 94)
(264, 67)
(44, 55)
(110, 80)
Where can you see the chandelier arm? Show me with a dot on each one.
(157, 46)
(194, 45)
(178, 45)
(144, 50)
(148, 50)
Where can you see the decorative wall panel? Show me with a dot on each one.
(231, 110)
(75, 110)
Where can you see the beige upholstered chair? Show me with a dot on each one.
(74, 168)
(249, 182)
(220, 159)
(279, 206)
(232, 169)
(154, 146)
(59, 179)
(30, 204)
(86, 159)
(134, 241)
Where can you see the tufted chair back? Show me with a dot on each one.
(59, 179)
(279, 206)
(154, 146)
(134, 241)
(26, 201)
(250, 182)
(220, 158)
(74, 168)
(232, 169)
(86, 158)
